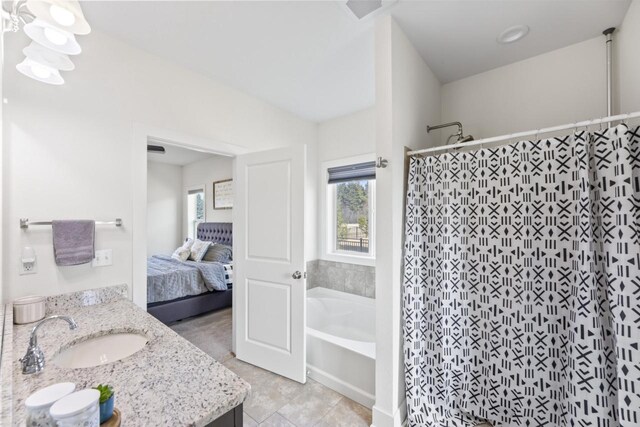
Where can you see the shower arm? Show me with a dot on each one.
(446, 125)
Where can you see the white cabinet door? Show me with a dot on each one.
(269, 261)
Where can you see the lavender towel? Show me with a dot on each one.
(73, 241)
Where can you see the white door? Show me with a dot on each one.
(269, 281)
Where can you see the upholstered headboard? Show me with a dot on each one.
(218, 232)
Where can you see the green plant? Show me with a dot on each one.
(105, 392)
(363, 225)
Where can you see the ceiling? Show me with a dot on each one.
(313, 59)
(175, 155)
(458, 38)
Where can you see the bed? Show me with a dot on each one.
(177, 290)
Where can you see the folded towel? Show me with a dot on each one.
(73, 241)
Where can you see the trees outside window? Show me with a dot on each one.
(352, 200)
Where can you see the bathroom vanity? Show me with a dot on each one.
(164, 380)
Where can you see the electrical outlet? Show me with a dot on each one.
(28, 261)
(103, 258)
(28, 267)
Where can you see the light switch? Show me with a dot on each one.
(103, 258)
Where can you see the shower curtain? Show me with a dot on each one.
(521, 297)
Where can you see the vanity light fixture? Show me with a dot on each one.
(65, 14)
(52, 37)
(52, 25)
(40, 54)
(39, 72)
(513, 34)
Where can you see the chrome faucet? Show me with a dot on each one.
(33, 360)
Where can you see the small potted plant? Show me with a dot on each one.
(106, 401)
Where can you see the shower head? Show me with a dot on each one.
(460, 138)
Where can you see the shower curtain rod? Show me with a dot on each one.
(527, 133)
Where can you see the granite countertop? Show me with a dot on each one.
(169, 382)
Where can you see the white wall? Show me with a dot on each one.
(558, 87)
(347, 136)
(164, 208)
(68, 150)
(562, 86)
(407, 98)
(628, 60)
(2, 189)
(206, 171)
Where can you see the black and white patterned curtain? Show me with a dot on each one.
(522, 284)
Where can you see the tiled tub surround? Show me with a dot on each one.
(340, 276)
(168, 382)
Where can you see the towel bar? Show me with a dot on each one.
(25, 223)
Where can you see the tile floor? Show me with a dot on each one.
(274, 400)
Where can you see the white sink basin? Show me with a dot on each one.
(100, 350)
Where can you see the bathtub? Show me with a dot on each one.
(341, 348)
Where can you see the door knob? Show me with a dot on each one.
(297, 275)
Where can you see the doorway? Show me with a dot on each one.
(272, 174)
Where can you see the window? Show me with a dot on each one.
(195, 210)
(350, 214)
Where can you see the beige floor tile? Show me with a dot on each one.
(311, 405)
(252, 374)
(276, 420)
(346, 413)
(273, 400)
(262, 403)
(247, 421)
(269, 392)
(284, 386)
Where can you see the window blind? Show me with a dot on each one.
(359, 171)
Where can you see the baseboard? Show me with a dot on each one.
(384, 419)
(346, 389)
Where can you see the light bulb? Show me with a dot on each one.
(54, 36)
(40, 71)
(61, 15)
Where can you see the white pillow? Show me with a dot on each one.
(183, 252)
(198, 250)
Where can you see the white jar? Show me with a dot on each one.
(28, 309)
(79, 409)
(39, 403)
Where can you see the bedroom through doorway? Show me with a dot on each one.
(189, 244)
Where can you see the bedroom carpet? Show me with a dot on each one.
(210, 332)
(274, 400)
